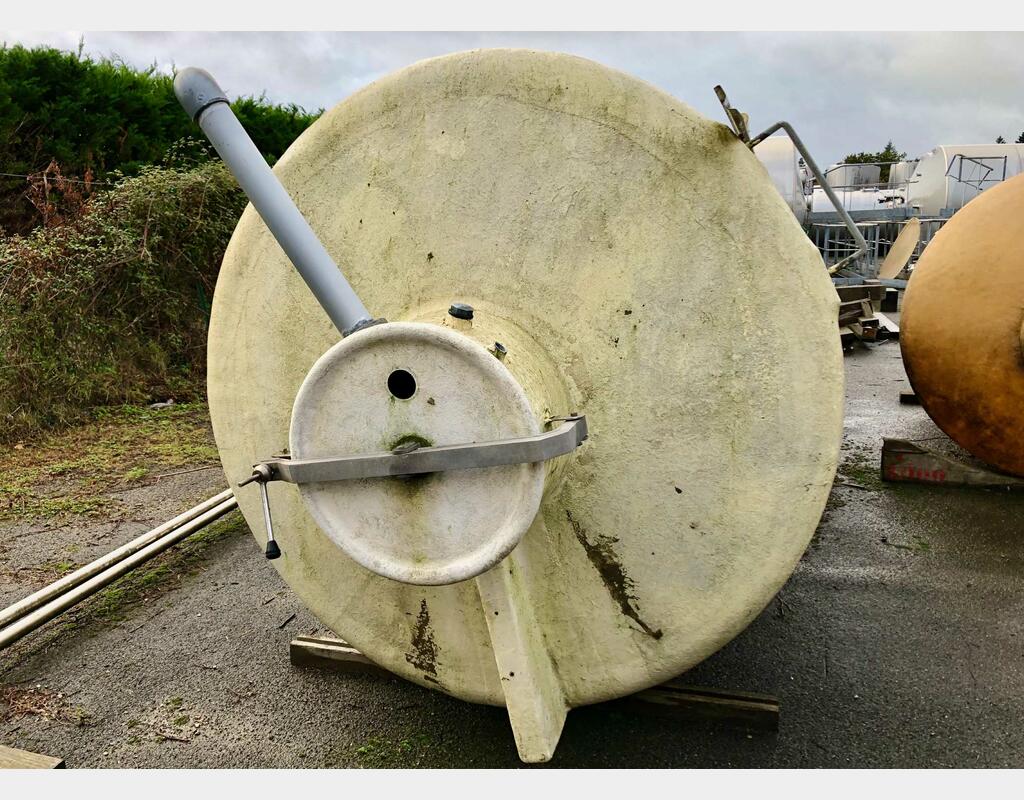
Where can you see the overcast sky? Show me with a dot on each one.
(843, 92)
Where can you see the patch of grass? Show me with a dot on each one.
(59, 568)
(182, 720)
(136, 473)
(72, 473)
(155, 577)
(20, 502)
(382, 753)
(113, 603)
(861, 471)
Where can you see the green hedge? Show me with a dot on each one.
(111, 306)
(103, 117)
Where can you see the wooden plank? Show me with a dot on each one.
(849, 312)
(909, 398)
(333, 654)
(12, 758)
(892, 330)
(871, 292)
(671, 699)
(676, 699)
(891, 301)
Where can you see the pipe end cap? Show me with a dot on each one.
(196, 90)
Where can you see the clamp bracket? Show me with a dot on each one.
(477, 455)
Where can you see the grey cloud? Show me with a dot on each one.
(845, 92)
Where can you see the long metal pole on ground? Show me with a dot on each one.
(44, 595)
(68, 599)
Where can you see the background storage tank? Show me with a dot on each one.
(849, 176)
(900, 173)
(961, 328)
(569, 206)
(780, 157)
(865, 199)
(949, 176)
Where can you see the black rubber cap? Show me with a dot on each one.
(460, 311)
(273, 551)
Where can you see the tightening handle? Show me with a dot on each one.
(273, 551)
(261, 474)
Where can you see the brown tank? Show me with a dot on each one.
(961, 327)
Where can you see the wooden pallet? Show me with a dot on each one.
(859, 319)
(12, 758)
(872, 291)
(672, 699)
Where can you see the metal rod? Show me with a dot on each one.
(68, 599)
(47, 593)
(205, 102)
(851, 226)
(273, 548)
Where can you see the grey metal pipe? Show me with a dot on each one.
(47, 593)
(207, 104)
(851, 226)
(68, 599)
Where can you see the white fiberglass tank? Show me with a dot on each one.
(627, 260)
(849, 176)
(779, 156)
(900, 173)
(951, 175)
(868, 199)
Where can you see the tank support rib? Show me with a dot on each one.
(533, 693)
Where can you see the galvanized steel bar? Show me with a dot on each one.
(62, 602)
(738, 121)
(70, 581)
(523, 450)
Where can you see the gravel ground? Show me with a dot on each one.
(898, 642)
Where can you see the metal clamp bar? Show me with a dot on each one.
(503, 452)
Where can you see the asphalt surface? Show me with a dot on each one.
(898, 642)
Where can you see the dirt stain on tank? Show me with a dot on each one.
(424, 652)
(620, 586)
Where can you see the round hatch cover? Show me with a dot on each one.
(401, 386)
